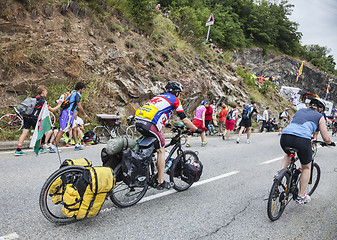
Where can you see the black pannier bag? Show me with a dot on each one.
(90, 136)
(135, 166)
(112, 161)
(192, 170)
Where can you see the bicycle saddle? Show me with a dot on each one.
(146, 142)
(291, 150)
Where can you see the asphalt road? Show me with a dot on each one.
(229, 201)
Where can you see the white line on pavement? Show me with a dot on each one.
(9, 236)
(272, 160)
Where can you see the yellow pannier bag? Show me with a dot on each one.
(71, 201)
(80, 162)
(55, 191)
(98, 181)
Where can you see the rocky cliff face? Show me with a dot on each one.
(57, 43)
(286, 70)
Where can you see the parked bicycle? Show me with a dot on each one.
(14, 122)
(124, 196)
(104, 132)
(286, 185)
(131, 131)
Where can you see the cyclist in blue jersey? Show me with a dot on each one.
(154, 115)
(67, 117)
(298, 135)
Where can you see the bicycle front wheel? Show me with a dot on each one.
(50, 203)
(176, 170)
(314, 179)
(10, 123)
(123, 195)
(130, 131)
(121, 130)
(278, 198)
(102, 134)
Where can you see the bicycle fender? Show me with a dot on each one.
(278, 176)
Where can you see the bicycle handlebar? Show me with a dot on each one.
(324, 144)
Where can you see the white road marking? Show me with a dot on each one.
(272, 160)
(10, 236)
(162, 194)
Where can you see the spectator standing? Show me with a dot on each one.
(284, 119)
(222, 118)
(215, 112)
(199, 122)
(231, 118)
(265, 118)
(68, 115)
(31, 120)
(208, 116)
(247, 123)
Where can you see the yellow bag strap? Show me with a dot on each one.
(95, 193)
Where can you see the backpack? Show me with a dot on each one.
(66, 99)
(87, 197)
(229, 115)
(279, 116)
(90, 136)
(192, 170)
(27, 106)
(112, 161)
(246, 112)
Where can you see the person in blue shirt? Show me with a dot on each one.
(298, 135)
(67, 116)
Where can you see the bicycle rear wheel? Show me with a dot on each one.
(10, 123)
(51, 208)
(123, 195)
(102, 134)
(176, 170)
(314, 179)
(278, 198)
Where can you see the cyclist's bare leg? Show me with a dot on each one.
(23, 137)
(285, 161)
(161, 164)
(305, 176)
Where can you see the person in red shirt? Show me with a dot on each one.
(222, 118)
(208, 115)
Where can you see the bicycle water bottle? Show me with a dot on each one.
(168, 165)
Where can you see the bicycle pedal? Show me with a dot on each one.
(172, 184)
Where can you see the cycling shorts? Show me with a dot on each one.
(148, 129)
(303, 145)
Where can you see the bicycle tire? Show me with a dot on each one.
(52, 211)
(277, 198)
(121, 196)
(176, 170)
(11, 123)
(102, 134)
(121, 130)
(316, 175)
(52, 118)
(130, 131)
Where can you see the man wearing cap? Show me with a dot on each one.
(284, 119)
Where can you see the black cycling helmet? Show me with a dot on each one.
(174, 87)
(320, 105)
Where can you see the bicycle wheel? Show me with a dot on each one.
(176, 170)
(130, 131)
(277, 198)
(314, 180)
(121, 130)
(52, 118)
(123, 195)
(102, 134)
(52, 208)
(10, 123)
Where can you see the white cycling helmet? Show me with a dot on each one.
(319, 103)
